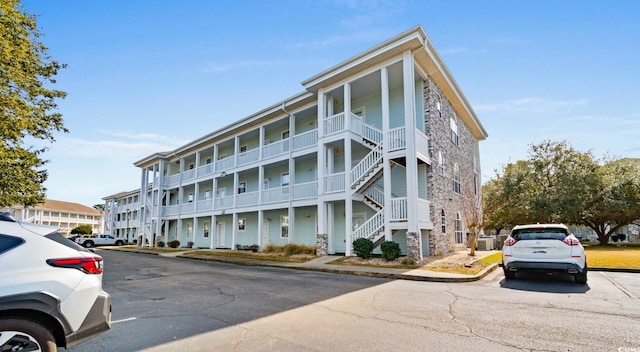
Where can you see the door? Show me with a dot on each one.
(357, 220)
(265, 232)
(221, 235)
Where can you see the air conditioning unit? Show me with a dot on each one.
(485, 244)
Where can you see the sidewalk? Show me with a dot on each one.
(322, 264)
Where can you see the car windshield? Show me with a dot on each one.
(543, 233)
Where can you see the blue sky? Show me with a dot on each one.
(146, 76)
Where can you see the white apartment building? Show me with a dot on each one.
(121, 215)
(61, 214)
(383, 145)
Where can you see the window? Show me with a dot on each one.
(207, 194)
(190, 197)
(443, 221)
(458, 225)
(243, 148)
(190, 166)
(242, 187)
(454, 130)
(285, 134)
(284, 226)
(441, 163)
(242, 223)
(208, 161)
(205, 227)
(189, 229)
(456, 179)
(285, 180)
(439, 107)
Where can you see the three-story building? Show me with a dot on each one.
(381, 146)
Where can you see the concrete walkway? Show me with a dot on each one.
(323, 264)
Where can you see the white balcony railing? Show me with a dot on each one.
(223, 203)
(399, 209)
(305, 140)
(275, 149)
(248, 157)
(334, 124)
(278, 194)
(334, 183)
(188, 175)
(225, 164)
(247, 199)
(205, 170)
(204, 205)
(397, 139)
(305, 190)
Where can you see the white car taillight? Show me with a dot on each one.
(510, 241)
(88, 265)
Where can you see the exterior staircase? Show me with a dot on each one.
(363, 182)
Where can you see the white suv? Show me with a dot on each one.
(50, 289)
(546, 248)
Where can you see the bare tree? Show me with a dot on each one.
(472, 212)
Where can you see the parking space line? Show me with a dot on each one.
(620, 287)
(123, 320)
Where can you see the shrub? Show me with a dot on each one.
(82, 230)
(173, 244)
(614, 238)
(622, 237)
(408, 261)
(272, 249)
(363, 248)
(135, 242)
(296, 249)
(390, 250)
(160, 244)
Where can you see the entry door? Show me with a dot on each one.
(221, 235)
(357, 220)
(265, 232)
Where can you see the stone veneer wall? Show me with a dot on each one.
(440, 187)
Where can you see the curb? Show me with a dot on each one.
(387, 275)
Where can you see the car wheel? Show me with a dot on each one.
(119, 243)
(88, 244)
(581, 278)
(25, 335)
(509, 275)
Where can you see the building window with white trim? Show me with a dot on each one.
(284, 226)
(438, 107)
(205, 227)
(443, 221)
(242, 187)
(458, 225)
(441, 163)
(454, 130)
(242, 224)
(456, 179)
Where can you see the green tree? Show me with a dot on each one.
(559, 184)
(82, 230)
(27, 105)
(614, 200)
(99, 207)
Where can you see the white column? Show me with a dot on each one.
(409, 122)
(386, 166)
(348, 199)
(320, 157)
